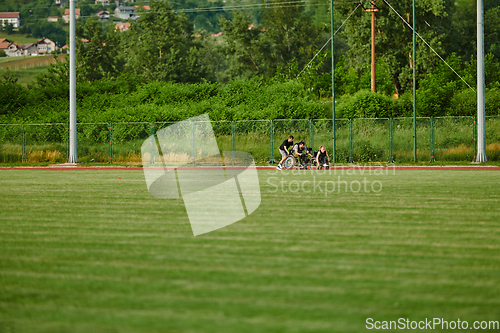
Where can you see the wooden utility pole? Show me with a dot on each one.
(373, 9)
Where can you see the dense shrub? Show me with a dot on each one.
(13, 97)
(464, 103)
(493, 102)
(366, 104)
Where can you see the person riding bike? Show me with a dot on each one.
(284, 151)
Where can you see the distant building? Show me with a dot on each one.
(11, 17)
(29, 49)
(52, 19)
(146, 8)
(45, 46)
(122, 26)
(10, 49)
(61, 3)
(125, 12)
(4, 45)
(103, 15)
(102, 2)
(66, 14)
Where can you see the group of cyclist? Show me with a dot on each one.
(300, 151)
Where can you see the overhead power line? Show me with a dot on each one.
(236, 7)
(328, 41)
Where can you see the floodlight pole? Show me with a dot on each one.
(333, 86)
(414, 92)
(73, 158)
(481, 119)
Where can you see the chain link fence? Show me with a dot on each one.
(356, 140)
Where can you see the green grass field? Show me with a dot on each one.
(92, 251)
(27, 75)
(18, 38)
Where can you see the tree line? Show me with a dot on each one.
(164, 45)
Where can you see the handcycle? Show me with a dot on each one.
(303, 161)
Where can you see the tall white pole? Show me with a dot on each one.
(481, 120)
(73, 158)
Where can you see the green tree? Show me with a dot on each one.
(161, 46)
(52, 31)
(492, 31)
(434, 96)
(289, 34)
(12, 94)
(393, 40)
(99, 55)
(8, 28)
(243, 47)
(54, 82)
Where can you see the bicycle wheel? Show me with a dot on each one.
(289, 162)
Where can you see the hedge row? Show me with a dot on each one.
(129, 100)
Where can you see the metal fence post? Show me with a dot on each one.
(350, 142)
(271, 132)
(110, 137)
(23, 135)
(67, 142)
(193, 141)
(391, 140)
(152, 135)
(432, 139)
(474, 136)
(233, 142)
(311, 133)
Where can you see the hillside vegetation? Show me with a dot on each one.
(165, 67)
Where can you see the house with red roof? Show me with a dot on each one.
(10, 17)
(103, 15)
(66, 14)
(45, 46)
(146, 8)
(10, 49)
(122, 26)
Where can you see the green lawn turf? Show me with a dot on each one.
(92, 251)
(18, 38)
(27, 75)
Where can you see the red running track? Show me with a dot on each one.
(368, 167)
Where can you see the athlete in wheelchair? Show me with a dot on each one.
(300, 157)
